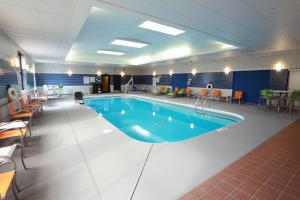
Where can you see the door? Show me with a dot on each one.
(105, 83)
(117, 82)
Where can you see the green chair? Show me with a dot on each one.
(266, 98)
(177, 93)
(295, 97)
(166, 91)
(172, 94)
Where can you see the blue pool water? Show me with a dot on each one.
(156, 122)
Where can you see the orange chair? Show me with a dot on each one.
(216, 94)
(238, 95)
(32, 108)
(203, 93)
(32, 102)
(20, 114)
(7, 178)
(7, 133)
(187, 91)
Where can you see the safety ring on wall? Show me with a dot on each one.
(209, 86)
(12, 93)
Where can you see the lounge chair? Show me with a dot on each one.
(238, 95)
(216, 95)
(20, 114)
(33, 108)
(161, 89)
(203, 93)
(15, 129)
(166, 91)
(172, 94)
(187, 92)
(8, 178)
(40, 97)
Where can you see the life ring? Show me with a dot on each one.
(12, 93)
(209, 86)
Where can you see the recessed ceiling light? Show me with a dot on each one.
(129, 43)
(161, 28)
(116, 53)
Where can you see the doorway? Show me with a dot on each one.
(105, 83)
(117, 82)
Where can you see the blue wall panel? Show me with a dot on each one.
(218, 79)
(179, 80)
(279, 80)
(165, 79)
(251, 82)
(65, 79)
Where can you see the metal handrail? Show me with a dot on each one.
(203, 103)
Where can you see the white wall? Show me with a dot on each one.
(83, 69)
(258, 61)
(8, 50)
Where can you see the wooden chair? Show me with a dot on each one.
(238, 95)
(20, 114)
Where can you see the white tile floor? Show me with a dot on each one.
(77, 155)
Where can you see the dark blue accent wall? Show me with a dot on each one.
(217, 79)
(251, 82)
(138, 79)
(279, 80)
(65, 79)
(165, 79)
(8, 76)
(179, 80)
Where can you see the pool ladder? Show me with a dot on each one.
(200, 105)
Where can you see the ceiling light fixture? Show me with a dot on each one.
(99, 73)
(171, 72)
(161, 28)
(154, 73)
(129, 43)
(108, 52)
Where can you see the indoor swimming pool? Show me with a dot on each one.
(153, 121)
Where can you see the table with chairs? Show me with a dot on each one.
(280, 100)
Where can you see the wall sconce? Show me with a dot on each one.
(154, 73)
(278, 67)
(227, 70)
(70, 73)
(122, 73)
(194, 71)
(171, 72)
(98, 73)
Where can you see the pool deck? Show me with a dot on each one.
(75, 154)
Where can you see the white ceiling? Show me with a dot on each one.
(46, 29)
